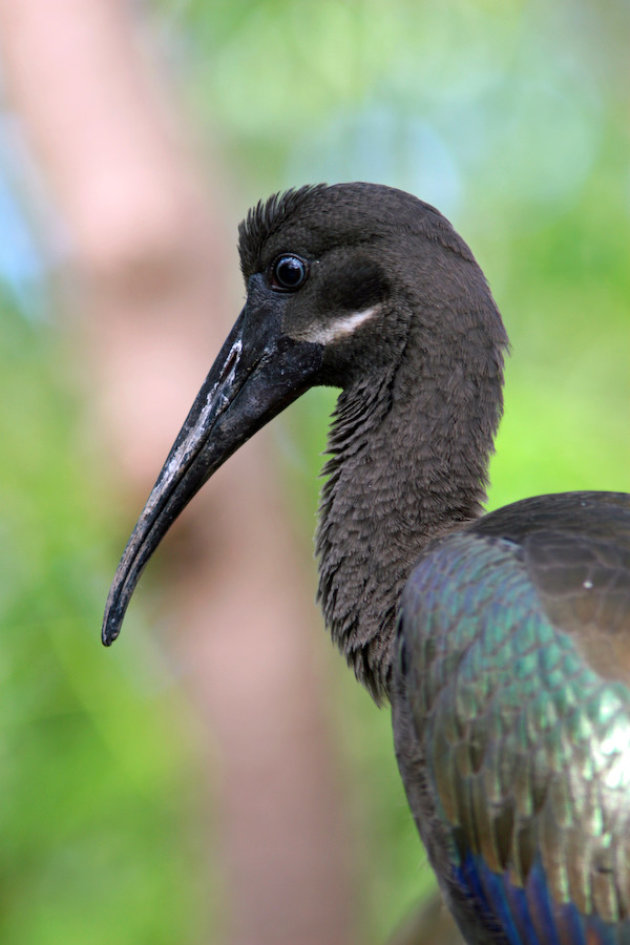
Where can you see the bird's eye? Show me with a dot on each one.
(288, 272)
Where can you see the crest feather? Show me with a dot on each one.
(264, 219)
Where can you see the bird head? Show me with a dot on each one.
(331, 275)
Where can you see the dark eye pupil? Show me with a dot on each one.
(289, 272)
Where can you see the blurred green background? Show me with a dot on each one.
(512, 118)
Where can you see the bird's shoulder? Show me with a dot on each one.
(565, 557)
(575, 548)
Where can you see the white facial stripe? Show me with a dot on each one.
(342, 326)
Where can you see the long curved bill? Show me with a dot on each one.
(257, 373)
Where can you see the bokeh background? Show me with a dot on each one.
(218, 776)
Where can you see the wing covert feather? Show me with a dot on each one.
(524, 730)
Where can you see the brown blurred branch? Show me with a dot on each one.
(151, 252)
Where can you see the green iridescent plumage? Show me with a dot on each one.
(525, 745)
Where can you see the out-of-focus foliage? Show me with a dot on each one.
(512, 118)
(95, 773)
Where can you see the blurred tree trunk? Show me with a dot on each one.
(150, 249)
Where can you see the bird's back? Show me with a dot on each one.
(512, 719)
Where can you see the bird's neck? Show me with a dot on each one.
(408, 464)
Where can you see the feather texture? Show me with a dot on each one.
(525, 743)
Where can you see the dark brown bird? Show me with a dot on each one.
(502, 641)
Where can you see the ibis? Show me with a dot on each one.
(501, 640)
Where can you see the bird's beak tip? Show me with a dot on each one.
(110, 630)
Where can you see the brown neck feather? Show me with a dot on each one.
(409, 457)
